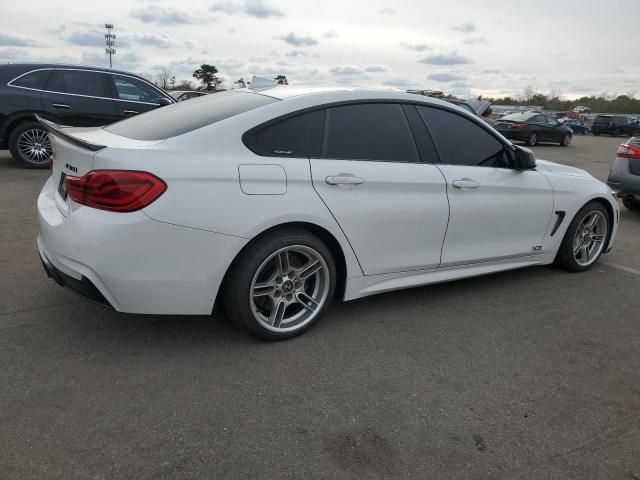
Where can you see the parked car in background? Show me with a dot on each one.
(182, 95)
(72, 95)
(624, 177)
(314, 193)
(614, 125)
(533, 128)
(578, 126)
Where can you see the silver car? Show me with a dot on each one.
(624, 177)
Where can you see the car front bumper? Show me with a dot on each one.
(129, 261)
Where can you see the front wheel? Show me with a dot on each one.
(566, 140)
(585, 238)
(533, 139)
(29, 145)
(281, 284)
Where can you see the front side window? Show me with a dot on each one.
(299, 136)
(36, 80)
(461, 141)
(375, 131)
(79, 82)
(135, 90)
(551, 121)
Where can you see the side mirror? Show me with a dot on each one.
(164, 102)
(524, 159)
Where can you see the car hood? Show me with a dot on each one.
(559, 169)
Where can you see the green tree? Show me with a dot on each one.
(207, 76)
(281, 80)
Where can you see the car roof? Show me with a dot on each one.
(327, 94)
(34, 66)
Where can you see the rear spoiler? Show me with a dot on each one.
(58, 131)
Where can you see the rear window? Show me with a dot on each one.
(183, 117)
(36, 79)
(519, 117)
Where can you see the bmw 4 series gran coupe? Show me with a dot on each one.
(274, 202)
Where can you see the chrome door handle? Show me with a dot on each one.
(344, 179)
(465, 183)
(130, 112)
(60, 105)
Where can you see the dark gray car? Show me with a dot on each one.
(624, 177)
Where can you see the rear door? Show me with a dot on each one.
(391, 205)
(496, 212)
(78, 98)
(133, 96)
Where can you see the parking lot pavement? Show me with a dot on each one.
(530, 374)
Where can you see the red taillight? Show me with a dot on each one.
(115, 190)
(628, 151)
(520, 125)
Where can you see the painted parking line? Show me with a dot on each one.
(633, 271)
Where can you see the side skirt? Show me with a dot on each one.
(359, 287)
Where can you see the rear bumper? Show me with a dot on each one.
(82, 287)
(515, 135)
(131, 262)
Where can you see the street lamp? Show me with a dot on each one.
(110, 42)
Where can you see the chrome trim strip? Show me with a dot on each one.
(10, 84)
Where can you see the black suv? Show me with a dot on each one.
(69, 95)
(615, 125)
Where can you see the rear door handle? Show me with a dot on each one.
(344, 179)
(130, 112)
(465, 183)
(60, 105)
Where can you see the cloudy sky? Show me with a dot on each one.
(464, 47)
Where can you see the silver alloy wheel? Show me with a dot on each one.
(567, 140)
(34, 146)
(533, 138)
(588, 241)
(289, 288)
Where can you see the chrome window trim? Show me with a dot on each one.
(10, 84)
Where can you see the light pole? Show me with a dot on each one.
(110, 41)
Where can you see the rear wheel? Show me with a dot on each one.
(29, 145)
(533, 139)
(281, 284)
(630, 202)
(585, 238)
(566, 140)
(597, 134)
(617, 132)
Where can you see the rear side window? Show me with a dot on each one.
(461, 141)
(78, 82)
(37, 80)
(377, 131)
(183, 117)
(299, 136)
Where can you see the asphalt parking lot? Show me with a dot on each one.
(530, 374)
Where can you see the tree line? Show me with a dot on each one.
(602, 103)
(208, 79)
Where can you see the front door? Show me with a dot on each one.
(133, 96)
(496, 212)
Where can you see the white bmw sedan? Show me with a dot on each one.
(275, 202)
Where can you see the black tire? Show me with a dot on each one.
(237, 295)
(566, 140)
(23, 130)
(617, 132)
(597, 134)
(565, 257)
(631, 203)
(533, 139)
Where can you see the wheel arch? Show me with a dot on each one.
(612, 217)
(15, 120)
(322, 233)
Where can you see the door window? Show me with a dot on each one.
(78, 82)
(461, 141)
(552, 122)
(375, 131)
(299, 136)
(132, 89)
